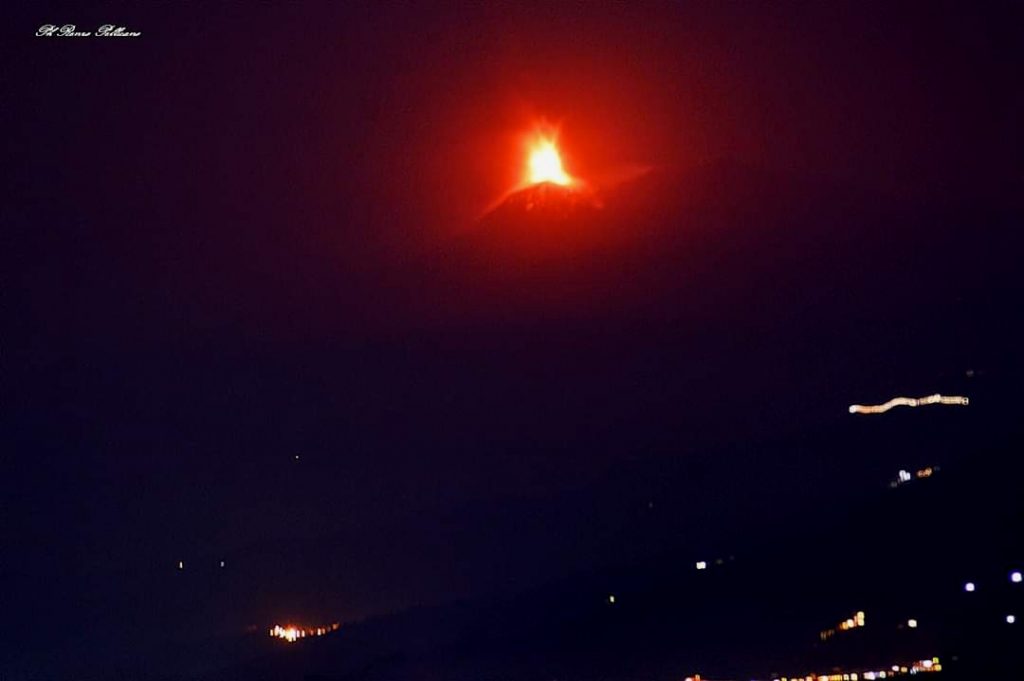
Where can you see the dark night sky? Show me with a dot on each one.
(241, 237)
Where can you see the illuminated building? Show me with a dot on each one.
(908, 402)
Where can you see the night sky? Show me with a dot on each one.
(252, 315)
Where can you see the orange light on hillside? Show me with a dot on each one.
(292, 633)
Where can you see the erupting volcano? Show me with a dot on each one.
(545, 164)
(547, 190)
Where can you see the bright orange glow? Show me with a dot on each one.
(291, 633)
(545, 164)
(544, 160)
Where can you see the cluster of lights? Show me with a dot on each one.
(908, 402)
(904, 476)
(854, 622)
(919, 667)
(291, 633)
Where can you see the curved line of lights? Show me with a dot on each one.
(908, 402)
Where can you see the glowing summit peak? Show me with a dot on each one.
(545, 164)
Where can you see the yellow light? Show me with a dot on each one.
(293, 633)
(908, 402)
(545, 164)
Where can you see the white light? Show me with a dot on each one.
(969, 587)
(181, 565)
(1015, 577)
(908, 402)
(222, 563)
(1010, 619)
(702, 565)
(611, 599)
(912, 623)
(905, 476)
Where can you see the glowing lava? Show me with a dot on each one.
(545, 188)
(545, 164)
